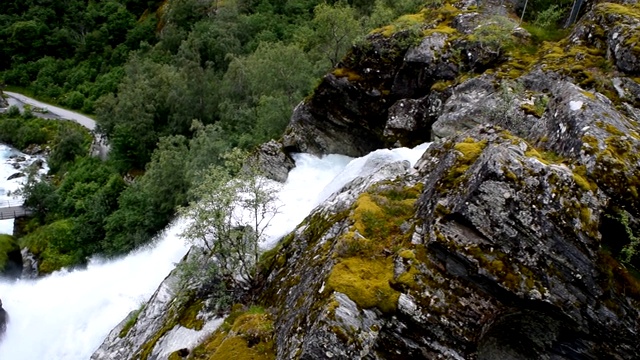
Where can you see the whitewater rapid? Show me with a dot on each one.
(67, 315)
(8, 187)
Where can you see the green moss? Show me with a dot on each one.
(386, 31)
(442, 29)
(408, 279)
(585, 215)
(245, 335)
(613, 130)
(7, 245)
(366, 282)
(131, 321)
(470, 149)
(619, 9)
(441, 85)
(189, 317)
(348, 73)
(588, 94)
(581, 179)
(590, 144)
(377, 219)
(407, 254)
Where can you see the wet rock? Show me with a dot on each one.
(29, 264)
(272, 161)
(33, 149)
(510, 263)
(4, 320)
(15, 176)
(158, 329)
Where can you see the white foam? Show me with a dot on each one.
(67, 315)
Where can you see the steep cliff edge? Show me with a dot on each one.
(514, 237)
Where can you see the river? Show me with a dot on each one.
(66, 316)
(8, 161)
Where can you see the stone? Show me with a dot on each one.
(15, 176)
(272, 161)
(4, 320)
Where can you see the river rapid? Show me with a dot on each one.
(66, 315)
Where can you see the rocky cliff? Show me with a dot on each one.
(514, 237)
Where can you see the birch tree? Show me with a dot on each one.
(230, 215)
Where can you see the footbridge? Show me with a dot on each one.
(12, 209)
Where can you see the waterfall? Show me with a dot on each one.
(66, 315)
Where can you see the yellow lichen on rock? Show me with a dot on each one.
(366, 282)
(244, 335)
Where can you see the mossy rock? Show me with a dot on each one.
(245, 334)
(10, 257)
(366, 282)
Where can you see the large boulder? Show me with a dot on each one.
(501, 258)
(355, 109)
(271, 161)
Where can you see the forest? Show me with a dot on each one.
(175, 86)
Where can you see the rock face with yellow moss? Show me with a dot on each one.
(514, 237)
(500, 257)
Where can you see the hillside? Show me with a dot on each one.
(513, 237)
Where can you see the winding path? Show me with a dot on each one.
(18, 99)
(99, 148)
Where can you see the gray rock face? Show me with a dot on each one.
(29, 264)
(615, 29)
(350, 111)
(504, 261)
(157, 330)
(4, 319)
(272, 161)
(407, 119)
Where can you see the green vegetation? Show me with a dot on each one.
(8, 245)
(131, 321)
(22, 130)
(245, 334)
(231, 237)
(71, 52)
(364, 270)
(366, 282)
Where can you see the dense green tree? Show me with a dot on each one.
(149, 204)
(230, 216)
(335, 29)
(71, 143)
(257, 86)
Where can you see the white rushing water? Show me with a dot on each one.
(8, 187)
(66, 316)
